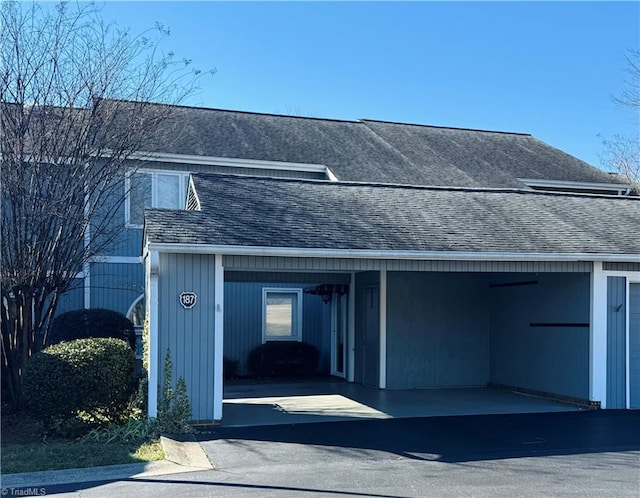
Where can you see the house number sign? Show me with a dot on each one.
(188, 299)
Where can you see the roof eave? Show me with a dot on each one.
(192, 248)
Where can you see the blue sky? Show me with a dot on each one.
(545, 68)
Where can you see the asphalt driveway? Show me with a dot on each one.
(595, 453)
(445, 439)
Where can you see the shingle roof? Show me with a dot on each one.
(373, 151)
(257, 211)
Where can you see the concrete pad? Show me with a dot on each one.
(248, 404)
(186, 453)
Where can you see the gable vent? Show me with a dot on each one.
(193, 202)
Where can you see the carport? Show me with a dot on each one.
(438, 288)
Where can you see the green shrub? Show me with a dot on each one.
(97, 322)
(90, 378)
(174, 408)
(284, 359)
(131, 430)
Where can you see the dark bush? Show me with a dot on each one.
(230, 368)
(89, 375)
(284, 359)
(97, 322)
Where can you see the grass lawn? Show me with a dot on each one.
(24, 450)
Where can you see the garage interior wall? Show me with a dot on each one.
(437, 330)
(539, 333)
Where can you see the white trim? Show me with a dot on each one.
(119, 260)
(226, 161)
(182, 193)
(627, 383)
(152, 269)
(382, 254)
(598, 336)
(351, 338)
(133, 305)
(383, 330)
(618, 188)
(218, 338)
(191, 187)
(282, 290)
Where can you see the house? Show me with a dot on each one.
(411, 256)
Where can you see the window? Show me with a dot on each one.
(153, 189)
(137, 315)
(281, 315)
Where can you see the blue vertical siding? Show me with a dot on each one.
(616, 342)
(542, 358)
(188, 333)
(437, 330)
(634, 345)
(363, 279)
(615, 266)
(73, 299)
(243, 319)
(116, 286)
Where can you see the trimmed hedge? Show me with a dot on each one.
(284, 359)
(96, 322)
(92, 375)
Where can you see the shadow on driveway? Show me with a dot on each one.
(458, 439)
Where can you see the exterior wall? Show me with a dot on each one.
(616, 342)
(73, 299)
(528, 350)
(116, 286)
(188, 333)
(243, 320)
(613, 266)
(437, 330)
(634, 345)
(356, 264)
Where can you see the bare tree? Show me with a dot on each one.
(622, 154)
(74, 106)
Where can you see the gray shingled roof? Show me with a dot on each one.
(251, 211)
(374, 151)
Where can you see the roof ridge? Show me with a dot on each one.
(403, 186)
(236, 111)
(446, 127)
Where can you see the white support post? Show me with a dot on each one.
(598, 336)
(383, 329)
(152, 272)
(351, 337)
(218, 331)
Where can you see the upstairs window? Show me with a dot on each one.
(281, 315)
(158, 189)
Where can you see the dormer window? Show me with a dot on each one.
(158, 189)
